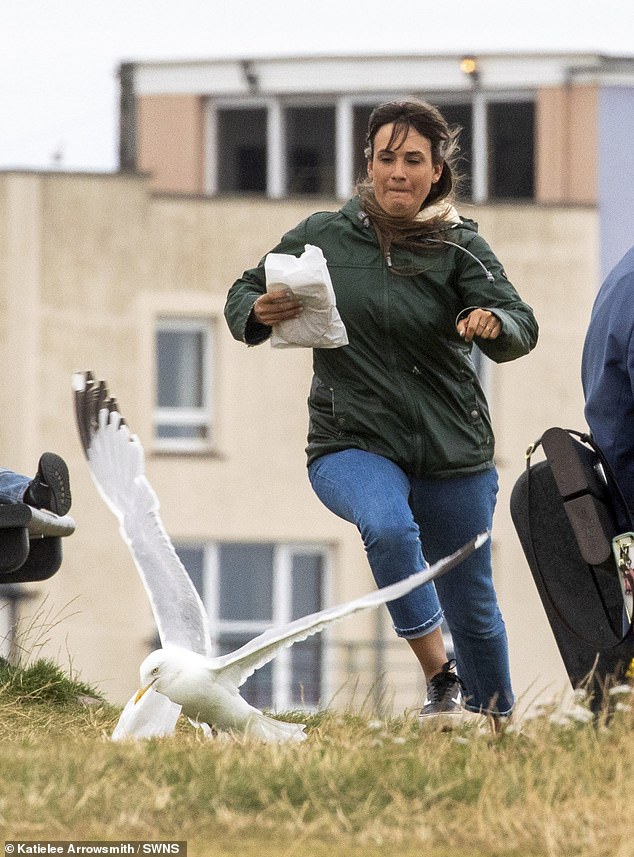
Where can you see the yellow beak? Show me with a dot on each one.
(141, 691)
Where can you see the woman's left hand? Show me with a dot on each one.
(480, 323)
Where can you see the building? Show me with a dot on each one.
(547, 128)
(126, 274)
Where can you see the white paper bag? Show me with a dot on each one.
(319, 325)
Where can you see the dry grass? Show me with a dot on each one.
(356, 787)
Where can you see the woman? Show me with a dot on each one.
(400, 440)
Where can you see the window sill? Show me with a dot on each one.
(180, 452)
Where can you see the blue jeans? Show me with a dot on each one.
(12, 486)
(406, 523)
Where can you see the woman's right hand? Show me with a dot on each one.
(273, 307)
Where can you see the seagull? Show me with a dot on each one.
(183, 676)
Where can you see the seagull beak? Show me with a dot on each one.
(142, 690)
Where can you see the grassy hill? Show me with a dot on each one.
(357, 787)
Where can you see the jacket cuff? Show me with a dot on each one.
(254, 331)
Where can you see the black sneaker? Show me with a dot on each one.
(443, 708)
(50, 489)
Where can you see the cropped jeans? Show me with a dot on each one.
(407, 523)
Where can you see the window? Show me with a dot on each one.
(511, 149)
(246, 588)
(361, 117)
(285, 149)
(461, 115)
(182, 417)
(242, 144)
(310, 146)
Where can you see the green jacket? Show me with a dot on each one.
(405, 386)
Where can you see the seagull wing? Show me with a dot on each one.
(237, 666)
(116, 461)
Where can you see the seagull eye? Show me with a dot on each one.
(155, 671)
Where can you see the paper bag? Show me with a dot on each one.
(307, 276)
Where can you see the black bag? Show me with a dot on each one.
(574, 527)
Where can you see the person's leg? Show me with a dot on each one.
(12, 486)
(49, 489)
(373, 493)
(430, 652)
(449, 513)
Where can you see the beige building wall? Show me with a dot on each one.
(170, 131)
(567, 145)
(88, 263)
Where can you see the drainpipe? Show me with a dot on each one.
(127, 119)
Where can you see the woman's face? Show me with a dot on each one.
(403, 175)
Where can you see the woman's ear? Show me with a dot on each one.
(437, 172)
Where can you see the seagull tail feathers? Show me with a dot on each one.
(274, 731)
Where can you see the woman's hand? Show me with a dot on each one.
(480, 323)
(273, 307)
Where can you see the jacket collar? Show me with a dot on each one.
(353, 211)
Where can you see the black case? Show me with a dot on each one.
(566, 510)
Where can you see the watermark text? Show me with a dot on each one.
(86, 849)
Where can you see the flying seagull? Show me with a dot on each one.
(183, 675)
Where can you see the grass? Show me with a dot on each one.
(356, 787)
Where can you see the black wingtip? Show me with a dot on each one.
(91, 397)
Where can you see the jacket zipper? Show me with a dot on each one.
(416, 424)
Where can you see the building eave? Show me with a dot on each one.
(269, 76)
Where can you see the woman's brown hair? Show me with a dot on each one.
(429, 122)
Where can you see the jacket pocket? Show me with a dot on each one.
(321, 408)
(344, 413)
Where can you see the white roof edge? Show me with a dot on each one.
(578, 55)
(348, 74)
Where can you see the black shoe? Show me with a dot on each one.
(444, 704)
(50, 489)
